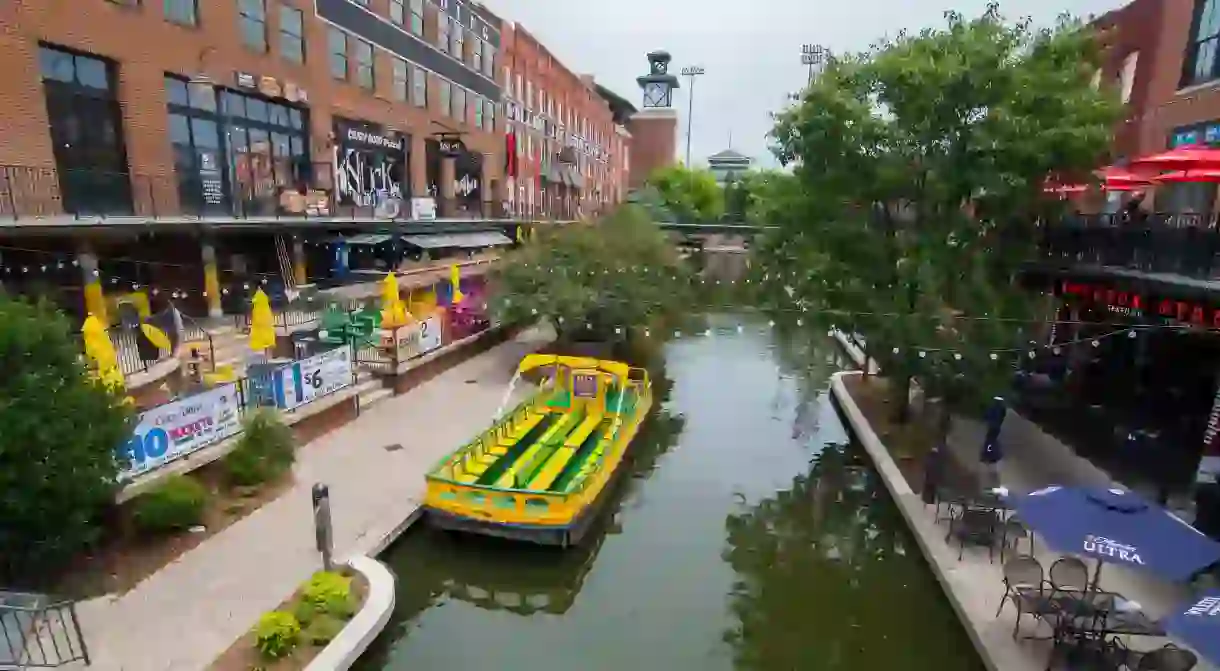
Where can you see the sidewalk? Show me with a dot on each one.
(1033, 459)
(191, 611)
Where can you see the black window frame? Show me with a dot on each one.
(342, 53)
(287, 37)
(246, 17)
(366, 71)
(1197, 44)
(171, 8)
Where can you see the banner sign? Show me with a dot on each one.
(406, 342)
(1209, 464)
(310, 379)
(430, 334)
(174, 430)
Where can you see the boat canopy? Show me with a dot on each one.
(615, 368)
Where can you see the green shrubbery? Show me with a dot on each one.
(175, 505)
(316, 616)
(58, 433)
(277, 634)
(264, 451)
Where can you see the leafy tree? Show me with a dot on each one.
(918, 170)
(593, 280)
(689, 193)
(59, 428)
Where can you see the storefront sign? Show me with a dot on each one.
(1208, 133)
(406, 342)
(452, 147)
(210, 183)
(1209, 465)
(174, 430)
(423, 209)
(310, 379)
(370, 165)
(1143, 305)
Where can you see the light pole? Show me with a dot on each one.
(691, 72)
(814, 56)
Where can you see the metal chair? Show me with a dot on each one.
(1024, 586)
(1069, 574)
(975, 527)
(1012, 533)
(1167, 658)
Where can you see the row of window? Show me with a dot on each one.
(574, 123)
(450, 34)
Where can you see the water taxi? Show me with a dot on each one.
(543, 471)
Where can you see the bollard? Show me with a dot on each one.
(323, 531)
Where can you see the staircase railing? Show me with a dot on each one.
(37, 632)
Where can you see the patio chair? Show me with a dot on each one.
(1069, 575)
(1024, 586)
(1167, 658)
(974, 527)
(1012, 533)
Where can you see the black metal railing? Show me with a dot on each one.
(194, 332)
(127, 349)
(1183, 244)
(39, 632)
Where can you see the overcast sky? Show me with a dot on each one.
(750, 48)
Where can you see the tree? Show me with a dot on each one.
(59, 428)
(594, 281)
(918, 171)
(688, 193)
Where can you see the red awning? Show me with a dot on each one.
(1191, 157)
(1206, 175)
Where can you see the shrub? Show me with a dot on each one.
(175, 505)
(59, 428)
(330, 593)
(276, 635)
(304, 611)
(264, 451)
(323, 629)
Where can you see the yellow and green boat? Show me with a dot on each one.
(543, 471)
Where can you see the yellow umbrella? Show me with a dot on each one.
(100, 351)
(455, 279)
(156, 336)
(262, 323)
(393, 310)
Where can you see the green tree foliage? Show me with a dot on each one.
(918, 169)
(590, 279)
(689, 193)
(58, 432)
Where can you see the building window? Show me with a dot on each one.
(489, 115)
(476, 54)
(478, 112)
(456, 36)
(364, 64)
(268, 149)
(417, 17)
(442, 31)
(459, 104)
(398, 13)
(1201, 53)
(489, 57)
(338, 53)
(1126, 76)
(253, 23)
(292, 34)
(419, 87)
(401, 79)
(185, 12)
(445, 91)
(508, 83)
(86, 132)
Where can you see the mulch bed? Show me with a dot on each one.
(243, 656)
(128, 556)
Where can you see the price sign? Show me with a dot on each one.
(168, 432)
(310, 379)
(430, 334)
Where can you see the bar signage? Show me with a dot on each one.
(1134, 304)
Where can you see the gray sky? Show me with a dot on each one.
(750, 48)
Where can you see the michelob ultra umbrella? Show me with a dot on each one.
(262, 323)
(393, 309)
(1119, 527)
(100, 351)
(455, 279)
(1197, 624)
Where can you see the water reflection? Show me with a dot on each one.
(824, 580)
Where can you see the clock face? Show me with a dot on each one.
(656, 95)
(659, 67)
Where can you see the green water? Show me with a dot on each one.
(748, 534)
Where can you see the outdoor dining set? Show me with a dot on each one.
(1092, 628)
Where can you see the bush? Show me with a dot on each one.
(59, 428)
(264, 451)
(276, 635)
(175, 505)
(330, 593)
(323, 629)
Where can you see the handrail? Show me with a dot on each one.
(190, 328)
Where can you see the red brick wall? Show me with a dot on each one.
(654, 141)
(146, 46)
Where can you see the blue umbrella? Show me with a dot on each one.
(1117, 526)
(1197, 624)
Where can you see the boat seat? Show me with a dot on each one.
(523, 427)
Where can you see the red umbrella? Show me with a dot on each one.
(1207, 175)
(1191, 157)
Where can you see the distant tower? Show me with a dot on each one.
(654, 129)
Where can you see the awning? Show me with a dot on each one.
(463, 240)
(364, 239)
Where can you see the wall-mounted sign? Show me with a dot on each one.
(452, 146)
(423, 209)
(246, 80)
(271, 87)
(370, 165)
(1135, 304)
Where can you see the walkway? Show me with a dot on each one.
(1033, 459)
(189, 612)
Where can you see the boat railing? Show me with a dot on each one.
(501, 425)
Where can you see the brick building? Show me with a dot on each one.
(569, 156)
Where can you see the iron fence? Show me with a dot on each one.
(1182, 244)
(38, 632)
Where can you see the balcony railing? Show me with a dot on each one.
(33, 192)
(1172, 243)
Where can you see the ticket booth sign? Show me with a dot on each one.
(584, 384)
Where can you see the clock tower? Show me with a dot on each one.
(654, 129)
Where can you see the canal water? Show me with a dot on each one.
(749, 534)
